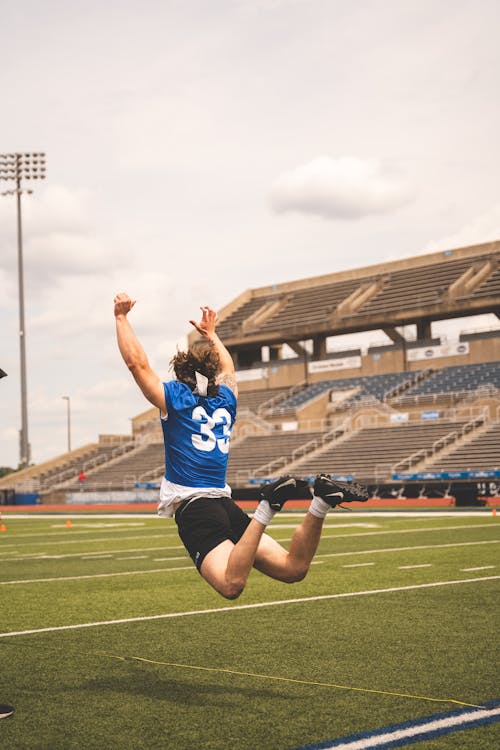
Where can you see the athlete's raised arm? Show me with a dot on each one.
(206, 327)
(134, 355)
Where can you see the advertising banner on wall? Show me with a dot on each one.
(259, 373)
(453, 349)
(436, 475)
(327, 365)
(399, 417)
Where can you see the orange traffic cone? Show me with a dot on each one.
(494, 512)
(68, 524)
(3, 527)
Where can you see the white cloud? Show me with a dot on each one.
(343, 188)
(484, 228)
(50, 208)
(59, 235)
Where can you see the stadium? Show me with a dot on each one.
(416, 419)
(430, 406)
(270, 522)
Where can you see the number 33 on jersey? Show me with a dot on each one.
(207, 440)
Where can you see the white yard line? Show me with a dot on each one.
(83, 516)
(97, 575)
(240, 607)
(430, 513)
(408, 531)
(86, 541)
(411, 567)
(45, 556)
(482, 567)
(405, 549)
(358, 565)
(277, 526)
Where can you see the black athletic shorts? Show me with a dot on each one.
(206, 522)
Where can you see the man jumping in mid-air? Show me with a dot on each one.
(197, 412)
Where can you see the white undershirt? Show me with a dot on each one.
(171, 493)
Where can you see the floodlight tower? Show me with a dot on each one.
(68, 415)
(15, 168)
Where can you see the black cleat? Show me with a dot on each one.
(334, 492)
(283, 489)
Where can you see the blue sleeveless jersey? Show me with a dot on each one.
(196, 435)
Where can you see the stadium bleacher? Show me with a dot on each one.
(233, 323)
(286, 417)
(455, 278)
(376, 386)
(313, 304)
(125, 470)
(415, 286)
(373, 447)
(490, 287)
(248, 455)
(482, 453)
(459, 378)
(254, 400)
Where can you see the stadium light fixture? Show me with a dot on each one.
(68, 413)
(16, 168)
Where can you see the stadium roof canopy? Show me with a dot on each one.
(449, 284)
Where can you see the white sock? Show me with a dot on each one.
(264, 513)
(319, 507)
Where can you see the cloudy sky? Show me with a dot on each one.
(196, 148)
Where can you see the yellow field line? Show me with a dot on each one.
(287, 679)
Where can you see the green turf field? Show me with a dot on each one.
(127, 676)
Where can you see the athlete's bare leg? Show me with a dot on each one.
(228, 565)
(292, 565)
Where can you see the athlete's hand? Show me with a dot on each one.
(123, 304)
(208, 321)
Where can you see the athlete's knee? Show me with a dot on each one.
(232, 589)
(296, 574)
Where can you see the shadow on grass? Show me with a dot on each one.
(146, 683)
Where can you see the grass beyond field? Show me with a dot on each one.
(109, 638)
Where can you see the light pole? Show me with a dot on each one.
(68, 411)
(15, 168)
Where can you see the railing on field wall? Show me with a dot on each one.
(382, 472)
(454, 414)
(258, 424)
(93, 463)
(268, 406)
(439, 444)
(309, 425)
(411, 381)
(278, 464)
(152, 474)
(426, 399)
